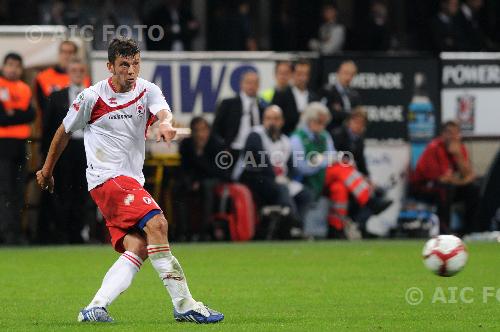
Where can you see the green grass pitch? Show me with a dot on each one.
(292, 286)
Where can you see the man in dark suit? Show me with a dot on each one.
(446, 34)
(62, 213)
(472, 35)
(236, 116)
(200, 176)
(350, 137)
(294, 99)
(339, 97)
(178, 24)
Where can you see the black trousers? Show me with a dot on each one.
(265, 190)
(185, 201)
(63, 213)
(445, 195)
(12, 186)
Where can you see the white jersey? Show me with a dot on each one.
(114, 126)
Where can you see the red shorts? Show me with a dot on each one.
(125, 205)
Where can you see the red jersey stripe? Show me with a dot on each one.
(101, 108)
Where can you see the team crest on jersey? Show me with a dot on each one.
(129, 199)
(140, 110)
(112, 100)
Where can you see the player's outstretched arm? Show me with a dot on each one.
(44, 176)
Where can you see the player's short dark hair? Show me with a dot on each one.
(449, 124)
(69, 42)
(13, 56)
(125, 47)
(196, 120)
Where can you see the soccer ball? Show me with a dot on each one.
(445, 255)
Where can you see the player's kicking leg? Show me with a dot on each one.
(170, 272)
(117, 279)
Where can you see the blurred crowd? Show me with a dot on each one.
(288, 179)
(280, 25)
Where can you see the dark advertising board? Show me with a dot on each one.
(400, 94)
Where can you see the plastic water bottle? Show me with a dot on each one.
(421, 117)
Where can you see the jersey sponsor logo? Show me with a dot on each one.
(120, 116)
(147, 200)
(129, 199)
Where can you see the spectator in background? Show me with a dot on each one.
(232, 28)
(444, 175)
(66, 12)
(352, 196)
(473, 37)
(118, 18)
(55, 78)
(331, 35)
(178, 23)
(374, 34)
(313, 147)
(339, 97)
(269, 176)
(200, 176)
(63, 213)
(282, 74)
(294, 99)
(350, 137)
(446, 35)
(15, 115)
(236, 116)
(54, 15)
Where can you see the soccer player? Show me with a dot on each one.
(114, 115)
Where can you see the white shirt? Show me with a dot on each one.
(73, 92)
(332, 38)
(301, 98)
(250, 113)
(114, 126)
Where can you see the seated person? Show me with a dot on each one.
(312, 147)
(200, 175)
(269, 178)
(444, 175)
(348, 185)
(343, 181)
(350, 137)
